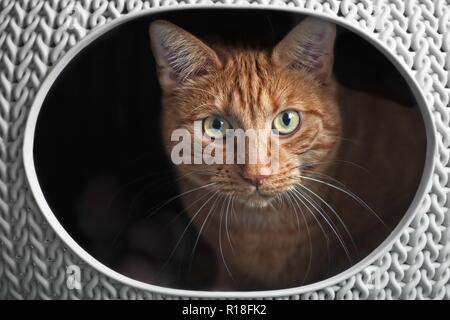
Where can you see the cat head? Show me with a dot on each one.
(286, 90)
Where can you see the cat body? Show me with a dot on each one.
(264, 247)
(334, 195)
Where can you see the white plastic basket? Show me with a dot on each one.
(39, 38)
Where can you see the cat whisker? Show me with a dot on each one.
(226, 222)
(145, 189)
(356, 142)
(279, 200)
(211, 210)
(131, 183)
(308, 233)
(189, 206)
(330, 224)
(288, 197)
(188, 225)
(352, 195)
(180, 195)
(233, 209)
(135, 198)
(220, 241)
(323, 175)
(155, 211)
(272, 205)
(346, 162)
(325, 235)
(333, 211)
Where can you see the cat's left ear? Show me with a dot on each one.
(179, 55)
(309, 46)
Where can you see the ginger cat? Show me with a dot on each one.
(349, 162)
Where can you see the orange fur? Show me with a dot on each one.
(263, 243)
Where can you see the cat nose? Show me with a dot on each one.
(255, 179)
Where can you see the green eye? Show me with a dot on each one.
(215, 127)
(286, 122)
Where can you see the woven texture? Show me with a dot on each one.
(35, 34)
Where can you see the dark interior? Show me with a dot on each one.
(98, 154)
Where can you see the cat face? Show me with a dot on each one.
(287, 91)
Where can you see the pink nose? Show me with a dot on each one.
(256, 180)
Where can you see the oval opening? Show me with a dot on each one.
(100, 164)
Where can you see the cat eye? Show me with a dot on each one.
(286, 122)
(216, 127)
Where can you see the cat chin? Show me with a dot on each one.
(255, 201)
(258, 204)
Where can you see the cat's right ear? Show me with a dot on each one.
(179, 55)
(309, 46)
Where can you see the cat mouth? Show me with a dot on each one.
(256, 199)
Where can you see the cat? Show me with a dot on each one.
(348, 167)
